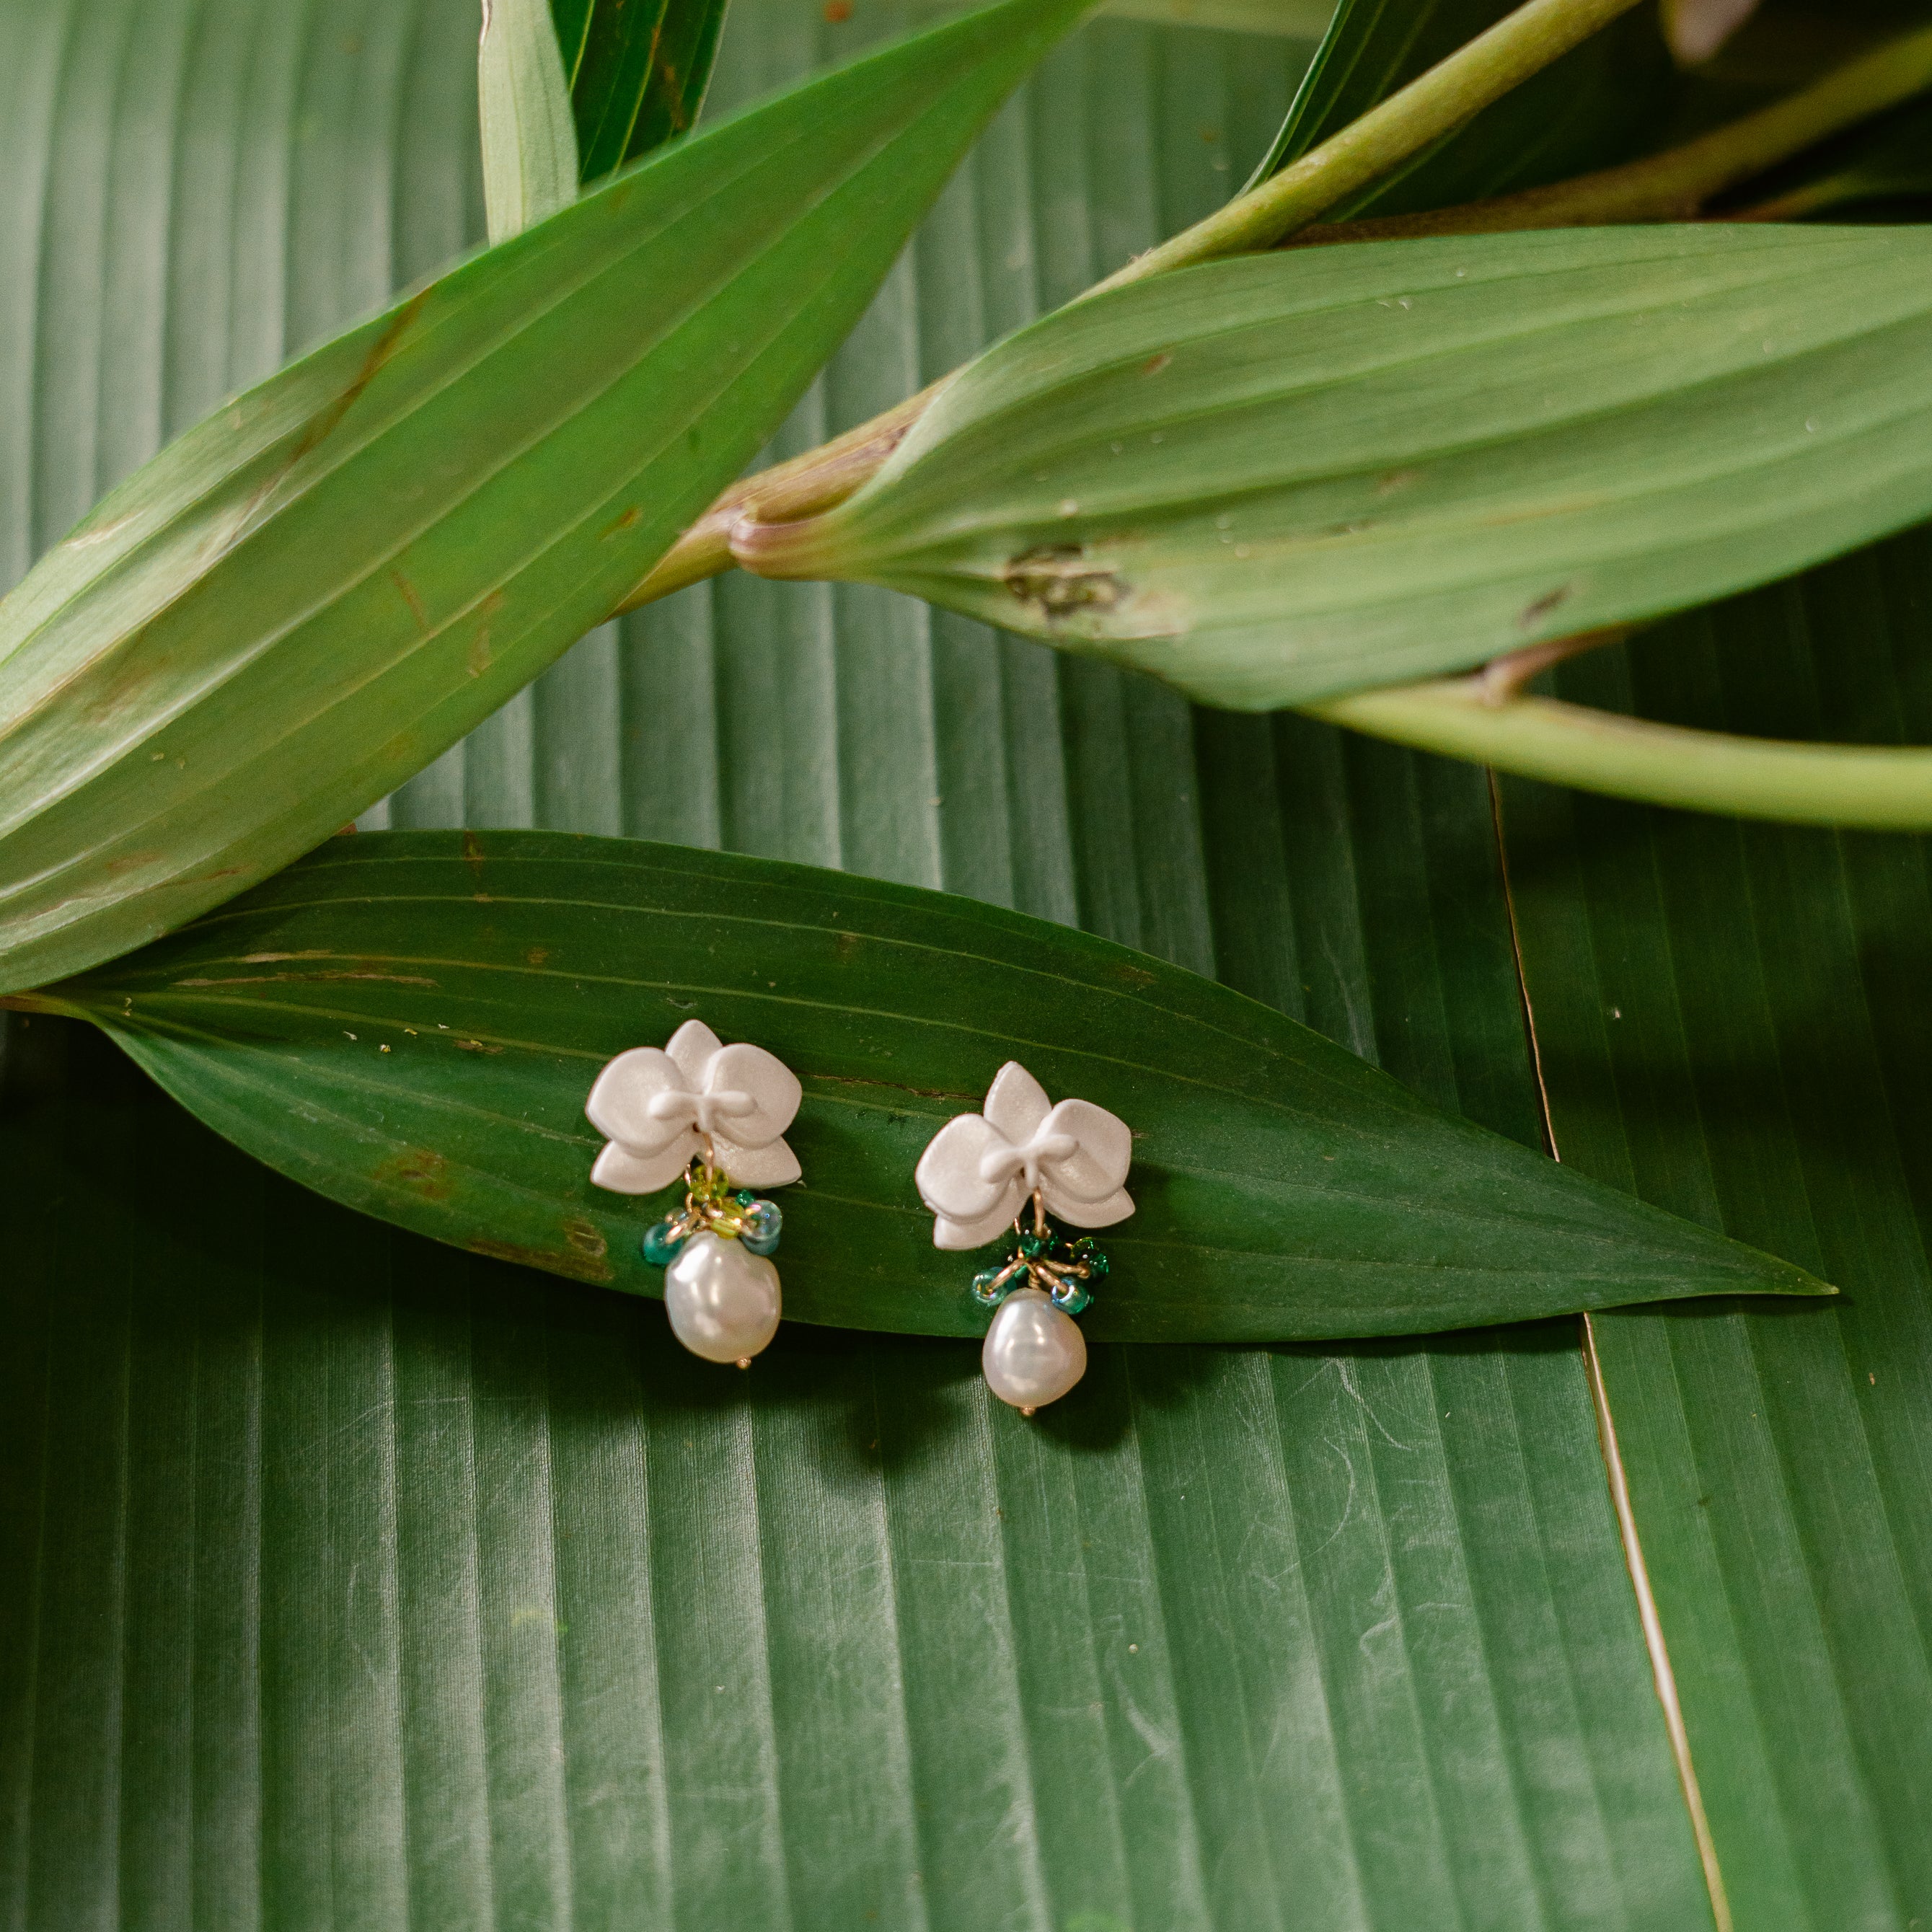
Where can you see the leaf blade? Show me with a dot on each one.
(529, 150)
(350, 552)
(411, 1024)
(1276, 480)
(639, 77)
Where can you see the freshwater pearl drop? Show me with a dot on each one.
(1033, 1353)
(723, 1301)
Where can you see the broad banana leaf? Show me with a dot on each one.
(352, 1581)
(1731, 1021)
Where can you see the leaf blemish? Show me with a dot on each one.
(1056, 579)
(1533, 613)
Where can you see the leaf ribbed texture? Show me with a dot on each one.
(351, 1582)
(1732, 1023)
(638, 70)
(1286, 477)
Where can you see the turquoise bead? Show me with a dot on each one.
(660, 1246)
(763, 1221)
(988, 1288)
(1071, 1297)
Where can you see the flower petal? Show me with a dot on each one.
(956, 1236)
(1117, 1207)
(772, 1085)
(691, 1047)
(948, 1176)
(620, 1102)
(1099, 1164)
(774, 1165)
(624, 1172)
(1016, 1103)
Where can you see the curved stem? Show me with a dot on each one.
(1675, 185)
(1430, 107)
(1433, 105)
(820, 479)
(1874, 787)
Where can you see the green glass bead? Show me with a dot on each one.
(1088, 1253)
(1071, 1296)
(989, 1288)
(1031, 1245)
(660, 1245)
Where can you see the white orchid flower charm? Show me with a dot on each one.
(659, 1106)
(979, 1170)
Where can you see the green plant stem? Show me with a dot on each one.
(1872, 787)
(1434, 104)
(1676, 184)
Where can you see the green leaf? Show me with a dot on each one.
(637, 70)
(1600, 103)
(411, 1022)
(310, 595)
(348, 1581)
(529, 151)
(1732, 1022)
(1275, 479)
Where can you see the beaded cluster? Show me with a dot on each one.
(1063, 1268)
(712, 1206)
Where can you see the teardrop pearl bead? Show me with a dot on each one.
(1033, 1353)
(723, 1300)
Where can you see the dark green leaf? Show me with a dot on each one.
(411, 1022)
(1732, 1022)
(1600, 103)
(637, 70)
(309, 596)
(1273, 479)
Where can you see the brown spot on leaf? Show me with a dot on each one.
(1154, 364)
(585, 1239)
(478, 1046)
(1057, 580)
(565, 1261)
(627, 521)
(1533, 614)
(837, 12)
(1396, 479)
(419, 1170)
(411, 599)
(479, 660)
(536, 955)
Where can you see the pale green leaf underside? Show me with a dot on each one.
(310, 595)
(530, 140)
(1273, 480)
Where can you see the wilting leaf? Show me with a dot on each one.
(529, 150)
(310, 595)
(411, 1022)
(1275, 479)
(638, 71)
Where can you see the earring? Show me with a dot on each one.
(716, 1114)
(980, 1173)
